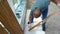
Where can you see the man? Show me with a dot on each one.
(37, 14)
(43, 5)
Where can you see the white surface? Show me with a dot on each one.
(53, 23)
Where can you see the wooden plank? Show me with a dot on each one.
(8, 19)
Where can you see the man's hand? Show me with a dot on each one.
(54, 1)
(30, 18)
(58, 4)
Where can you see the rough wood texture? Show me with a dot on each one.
(8, 19)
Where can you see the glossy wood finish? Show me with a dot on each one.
(2, 30)
(8, 19)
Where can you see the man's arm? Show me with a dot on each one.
(54, 1)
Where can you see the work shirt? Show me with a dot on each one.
(37, 29)
(42, 4)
